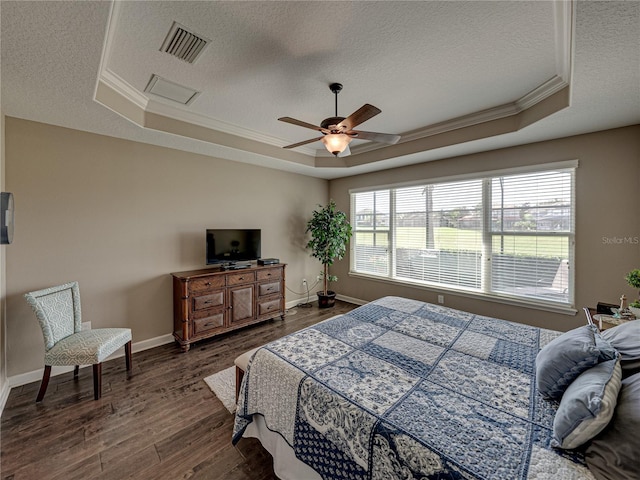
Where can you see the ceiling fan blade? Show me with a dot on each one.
(375, 136)
(300, 123)
(294, 145)
(361, 115)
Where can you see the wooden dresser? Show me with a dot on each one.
(212, 301)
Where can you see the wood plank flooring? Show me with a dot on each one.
(161, 422)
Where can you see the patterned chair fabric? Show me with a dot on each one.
(87, 347)
(58, 312)
(59, 315)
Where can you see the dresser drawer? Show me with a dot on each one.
(240, 278)
(211, 300)
(269, 309)
(265, 289)
(204, 325)
(206, 283)
(270, 274)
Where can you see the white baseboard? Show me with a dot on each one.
(292, 304)
(4, 394)
(150, 343)
(344, 298)
(355, 301)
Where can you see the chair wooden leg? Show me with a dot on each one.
(127, 354)
(239, 377)
(97, 380)
(76, 369)
(45, 383)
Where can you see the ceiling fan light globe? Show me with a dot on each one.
(336, 142)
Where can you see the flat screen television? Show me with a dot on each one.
(229, 246)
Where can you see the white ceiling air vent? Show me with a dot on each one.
(183, 44)
(171, 90)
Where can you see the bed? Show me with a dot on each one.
(399, 388)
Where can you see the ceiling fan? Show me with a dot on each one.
(339, 131)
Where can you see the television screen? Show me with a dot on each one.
(232, 245)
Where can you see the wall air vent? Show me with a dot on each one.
(183, 44)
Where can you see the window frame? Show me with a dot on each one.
(485, 292)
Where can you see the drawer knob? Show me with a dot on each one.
(207, 301)
(208, 284)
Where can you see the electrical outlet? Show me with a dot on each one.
(440, 298)
(304, 282)
(86, 325)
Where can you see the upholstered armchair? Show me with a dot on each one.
(58, 312)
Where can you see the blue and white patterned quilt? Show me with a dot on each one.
(403, 389)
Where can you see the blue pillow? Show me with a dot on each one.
(563, 359)
(625, 338)
(587, 405)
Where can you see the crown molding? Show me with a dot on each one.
(538, 94)
(565, 28)
(123, 88)
(162, 107)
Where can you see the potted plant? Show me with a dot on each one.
(633, 279)
(330, 232)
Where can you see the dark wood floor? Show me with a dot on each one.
(162, 422)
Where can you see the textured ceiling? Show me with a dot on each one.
(421, 63)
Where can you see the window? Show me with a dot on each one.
(504, 235)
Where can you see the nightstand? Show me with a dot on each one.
(602, 320)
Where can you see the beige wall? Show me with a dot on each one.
(607, 208)
(120, 216)
(3, 290)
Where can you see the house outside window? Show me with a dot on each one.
(505, 235)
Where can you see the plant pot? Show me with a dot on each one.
(326, 301)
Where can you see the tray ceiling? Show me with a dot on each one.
(451, 77)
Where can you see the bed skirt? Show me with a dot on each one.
(285, 464)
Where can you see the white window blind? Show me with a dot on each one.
(438, 233)
(371, 232)
(508, 235)
(532, 234)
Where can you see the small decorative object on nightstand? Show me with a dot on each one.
(623, 303)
